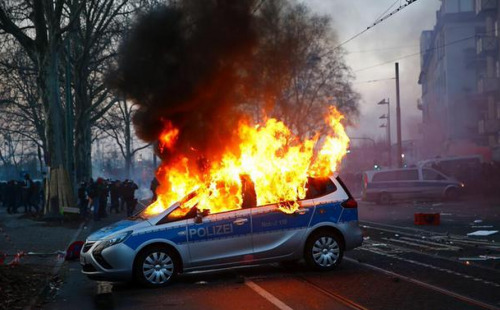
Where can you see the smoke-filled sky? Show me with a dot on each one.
(393, 39)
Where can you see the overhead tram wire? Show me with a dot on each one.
(378, 21)
(387, 10)
(427, 50)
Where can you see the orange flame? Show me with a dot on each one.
(168, 137)
(276, 161)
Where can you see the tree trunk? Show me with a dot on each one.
(129, 157)
(59, 190)
(83, 131)
(83, 148)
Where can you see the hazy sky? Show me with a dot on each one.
(389, 41)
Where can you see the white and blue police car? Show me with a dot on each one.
(154, 250)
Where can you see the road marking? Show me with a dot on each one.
(271, 298)
(426, 285)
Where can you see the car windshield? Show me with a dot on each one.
(185, 204)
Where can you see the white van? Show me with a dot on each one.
(466, 169)
(384, 186)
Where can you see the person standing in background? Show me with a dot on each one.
(114, 193)
(154, 185)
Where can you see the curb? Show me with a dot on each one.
(57, 267)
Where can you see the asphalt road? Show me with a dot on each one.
(400, 266)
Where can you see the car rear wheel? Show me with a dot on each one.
(384, 199)
(324, 251)
(156, 266)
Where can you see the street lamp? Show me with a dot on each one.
(388, 117)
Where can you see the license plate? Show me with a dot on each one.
(83, 261)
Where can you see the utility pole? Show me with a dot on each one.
(398, 119)
(388, 117)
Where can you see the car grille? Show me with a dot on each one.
(87, 246)
(98, 256)
(88, 268)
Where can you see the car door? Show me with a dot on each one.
(435, 183)
(220, 238)
(278, 234)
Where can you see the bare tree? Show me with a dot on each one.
(117, 124)
(21, 107)
(79, 38)
(299, 71)
(38, 26)
(94, 40)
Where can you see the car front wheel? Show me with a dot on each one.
(451, 194)
(324, 251)
(155, 267)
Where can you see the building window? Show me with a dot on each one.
(451, 6)
(457, 6)
(466, 6)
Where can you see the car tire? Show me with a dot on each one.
(384, 199)
(451, 194)
(324, 251)
(156, 266)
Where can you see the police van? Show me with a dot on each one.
(154, 249)
(385, 186)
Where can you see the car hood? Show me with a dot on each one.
(118, 227)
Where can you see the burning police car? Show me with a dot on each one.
(154, 249)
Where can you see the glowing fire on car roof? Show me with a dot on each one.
(274, 158)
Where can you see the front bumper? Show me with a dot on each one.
(114, 263)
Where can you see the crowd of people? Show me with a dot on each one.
(93, 197)
(96, 199)
(15, 194)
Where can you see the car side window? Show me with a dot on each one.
(408, 175)
(430, 175)
(317, 187)
(385, 176)
(398, 175)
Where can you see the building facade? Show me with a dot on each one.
(458, 80)
(487, 50)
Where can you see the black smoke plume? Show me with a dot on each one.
(183, 64)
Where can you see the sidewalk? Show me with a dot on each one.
(20, 284)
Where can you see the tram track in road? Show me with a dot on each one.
(351, 304)
(430, 244)
(428, 286)
(280, 304)
(346, 301)
(400, 248)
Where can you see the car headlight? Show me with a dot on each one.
(112, 240)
